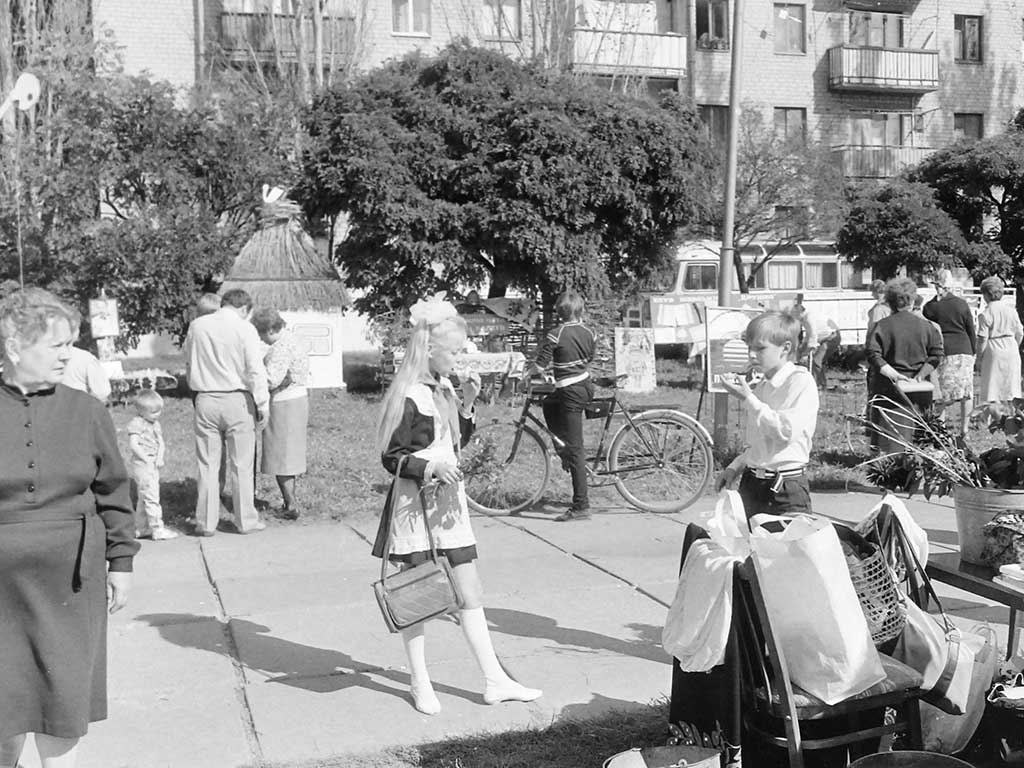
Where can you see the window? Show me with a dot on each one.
(716, 119)
(783, 275)
(789, 28)
(701, 277)
(967, 125)
(854, 278)
(758, 281)
(883, 129)
(821, 275)
(502, 20)
(790, 123)
(876, 30)
(713, 24)
(410, 16)
(967, 38)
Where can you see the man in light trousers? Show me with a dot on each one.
(224, 365)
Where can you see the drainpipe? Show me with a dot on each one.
(691, 48)
(199, 8)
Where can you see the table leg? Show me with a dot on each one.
(1011, 637)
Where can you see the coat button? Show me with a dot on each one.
(31, 465)
(28, 444)
(31, 489)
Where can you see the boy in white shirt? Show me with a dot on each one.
(782, 411)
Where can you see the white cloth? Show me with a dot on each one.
(85, 373)
(781, 415)
(223, 354)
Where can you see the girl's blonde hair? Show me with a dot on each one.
(449, 334)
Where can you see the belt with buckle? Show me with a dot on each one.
(777, 476)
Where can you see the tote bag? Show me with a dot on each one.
(813, 607)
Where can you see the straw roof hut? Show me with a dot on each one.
(280, 266)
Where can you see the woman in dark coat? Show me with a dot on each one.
(67, 541)
(903, 350)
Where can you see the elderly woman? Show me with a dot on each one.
(903, 350)
(284, 439)
(999, 338)
(956, 371)
(67, 541)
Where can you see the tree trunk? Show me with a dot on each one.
(6, 68)
(301, 48)
(317, 12)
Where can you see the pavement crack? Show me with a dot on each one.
(248, 721)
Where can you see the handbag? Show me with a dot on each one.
(665, 757)
(883, 604)
(421, 592)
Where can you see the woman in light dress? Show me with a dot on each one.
(999, 338)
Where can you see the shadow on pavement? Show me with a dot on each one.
(320, 670)
(647, 644)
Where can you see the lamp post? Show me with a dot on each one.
(725, 258)
(25, 94)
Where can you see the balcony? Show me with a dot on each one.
(244, 35)
(608, 52)
(868, 162)
(885, 70)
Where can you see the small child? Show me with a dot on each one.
(568, 349)
(146, 441)
(782, 411)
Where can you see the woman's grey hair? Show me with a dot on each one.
(900, 293)
(267, 320)
(992, 288)
(26, 314)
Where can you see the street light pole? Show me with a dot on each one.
(725, 258)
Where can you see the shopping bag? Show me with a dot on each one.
(727, 523)
(914, 534)
(949, 734)
(813, 607)
(932, 646)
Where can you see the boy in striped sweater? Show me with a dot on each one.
(568, 349)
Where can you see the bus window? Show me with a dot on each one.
(853, 277)
(758, 281)
(821, 274)
(783, 275)
(701, 277)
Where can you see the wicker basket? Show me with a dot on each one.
(883, 604)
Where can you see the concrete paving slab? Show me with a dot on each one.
(282, 549)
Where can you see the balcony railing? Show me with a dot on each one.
(644, 53)
(891, 70)
(245, 34)
(870, 162)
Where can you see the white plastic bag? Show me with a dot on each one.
(727, 524)
(814, 608)
(917, 537)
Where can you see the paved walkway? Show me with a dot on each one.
(236, 649)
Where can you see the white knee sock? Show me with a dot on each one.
(423, 696)
(499, 686)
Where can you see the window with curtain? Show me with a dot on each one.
(410, 16)
(790, 23)
(256, 6)
(757, 284)
(853, 277)
(968, 125)
(701, 277)
(876, 30)
(790, 123)
(967, 38)
(821, 275)
(502, 20)
(783, 275)
(713, 24)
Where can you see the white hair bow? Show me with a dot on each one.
(432, 310)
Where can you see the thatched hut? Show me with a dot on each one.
(281, 267)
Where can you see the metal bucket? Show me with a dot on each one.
(974, 508)
(909, 760)
(666, 757)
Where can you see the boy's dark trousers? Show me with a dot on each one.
(563, 413)
(774, 495)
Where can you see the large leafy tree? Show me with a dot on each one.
(469, 168)
(899, 225)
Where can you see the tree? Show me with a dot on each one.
(980, 185)
(470, 168)
(899, 225)
(788, 189)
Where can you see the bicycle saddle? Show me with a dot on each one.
(608, 382)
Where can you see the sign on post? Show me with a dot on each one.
(634, 357)
(726, 349)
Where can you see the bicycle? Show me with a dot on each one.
(660, 459)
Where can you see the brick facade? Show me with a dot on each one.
(157, 36)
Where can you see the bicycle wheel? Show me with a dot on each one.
(662, 462)
(504, 469)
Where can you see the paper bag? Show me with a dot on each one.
(814, 609)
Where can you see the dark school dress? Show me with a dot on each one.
(64, 513)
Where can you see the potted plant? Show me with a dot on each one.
(938, 463)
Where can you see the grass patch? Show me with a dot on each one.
(566, 744)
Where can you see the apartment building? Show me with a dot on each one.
(883, 82)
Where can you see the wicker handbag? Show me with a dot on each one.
(418, 593)
(883, 604)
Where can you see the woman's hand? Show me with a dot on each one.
(892, 374)
(119, 583)
(447, 473)
(725, 479)
(470, 390)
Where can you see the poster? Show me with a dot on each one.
(103, 319)
(727, 351)
(634, 357)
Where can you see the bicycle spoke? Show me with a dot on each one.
(504, 469)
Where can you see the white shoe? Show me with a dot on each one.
(162, 534)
